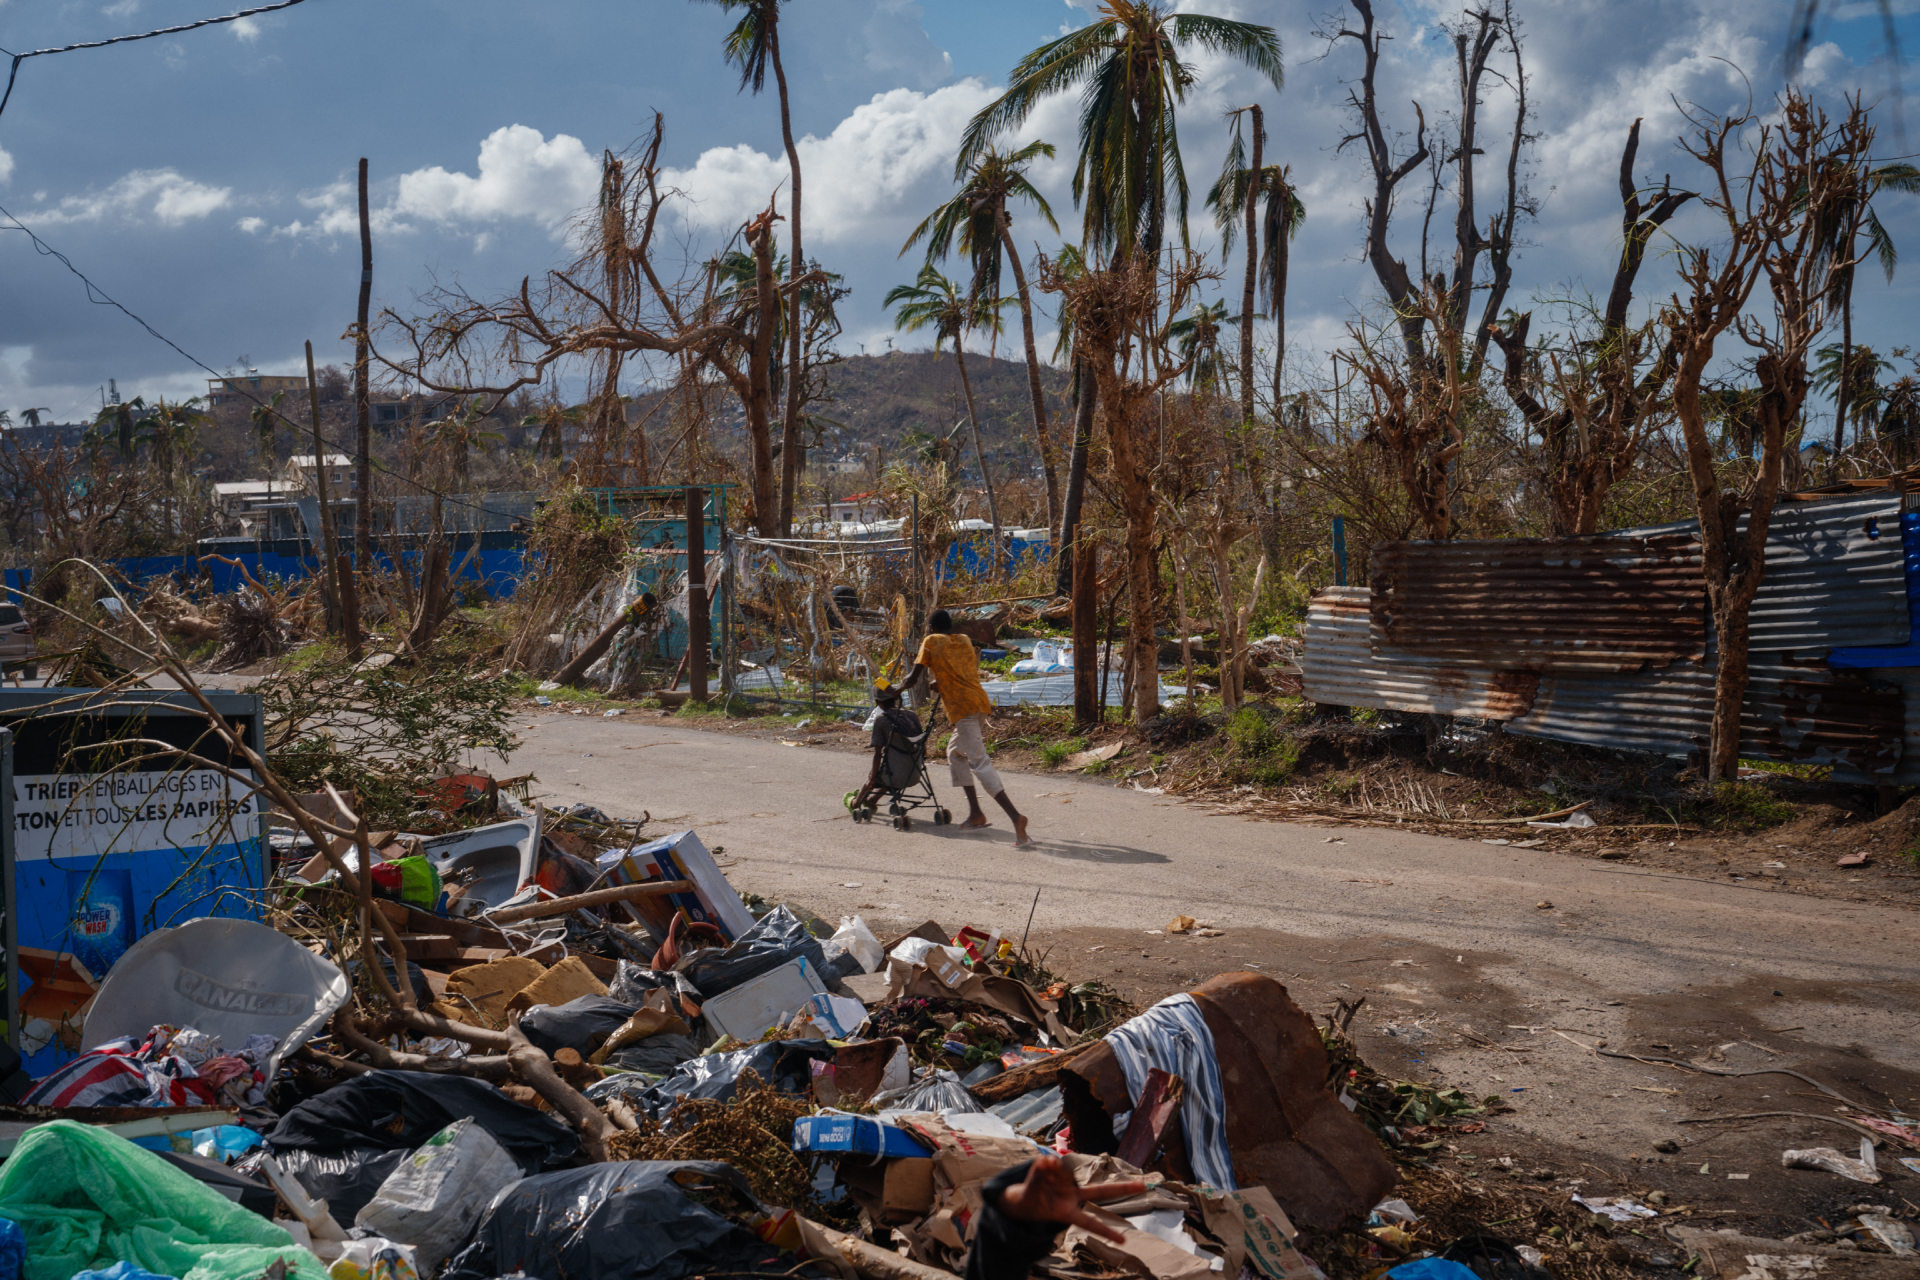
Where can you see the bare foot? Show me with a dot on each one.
(1021, 839)
(978, 820)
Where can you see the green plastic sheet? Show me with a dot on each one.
(87, 1199)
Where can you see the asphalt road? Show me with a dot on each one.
(1119, 858)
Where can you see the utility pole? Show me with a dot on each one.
(363, 456)
(699, 618)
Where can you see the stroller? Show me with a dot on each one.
(903, 776)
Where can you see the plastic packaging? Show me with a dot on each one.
(938, 1090)
(859, 942)
(224, 1142)
(436, 1196)
(1862, 1170)
(635, 1220)
(119, 1271)
(779, 938)
(374, 1259)
(87, 1199)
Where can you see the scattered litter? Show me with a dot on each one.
(612, 712)
(1098, 755)
(1616, 1209)
(543, 701)
(1896, 1235)
(1861, 1170)
(1858, 859)
(1543, 905)
(1577, 821)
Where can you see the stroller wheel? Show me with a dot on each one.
(899, 823)
(906, 823)
(941, 817)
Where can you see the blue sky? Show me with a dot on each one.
(202, 179)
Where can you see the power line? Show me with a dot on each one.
(100, 297)
(19, 58)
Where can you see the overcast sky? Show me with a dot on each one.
(205, 180)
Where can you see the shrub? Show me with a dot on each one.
(1054, 754)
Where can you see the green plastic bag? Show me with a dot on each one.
(87, 1199)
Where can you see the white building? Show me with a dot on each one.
(303, 475)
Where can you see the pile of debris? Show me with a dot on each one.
(544, 1046)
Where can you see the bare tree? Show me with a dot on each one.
(1610, 398)
(1771, 205)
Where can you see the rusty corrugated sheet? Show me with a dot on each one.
(1339, 668)
(1798, 714)
(1602, 603)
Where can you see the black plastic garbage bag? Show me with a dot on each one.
(399, 1110)
(778, 938)
(657, 1055)
(635, 1220)
(785, 1064)
(346, 1179)
(633, 983)
(582, 1025)
(1492, 1258)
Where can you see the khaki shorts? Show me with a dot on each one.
(967, 756)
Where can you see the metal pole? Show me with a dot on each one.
(698, 620)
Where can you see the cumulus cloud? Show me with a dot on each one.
(245, 30)
(251, 225)
(6, 166)
(163, 195)
(891, 159)
(521, 175)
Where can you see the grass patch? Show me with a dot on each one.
(1054, 754)
(1365, 717)
(1340, 786)
(1747, 806)
(1261, 752)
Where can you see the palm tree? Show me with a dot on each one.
(1845, 220)
(1228, 198)
(933, 300)
(1127, 65)
(754, 46)
(169, 431)
(1853, 377)
(1197, 336)
(1070, 264)
(977, 217)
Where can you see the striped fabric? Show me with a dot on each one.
(1174, 1037)
(124, 1073)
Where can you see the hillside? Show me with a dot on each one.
(880, 398)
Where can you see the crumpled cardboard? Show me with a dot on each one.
(478, 994)
(1253, 1229)
(568, 980)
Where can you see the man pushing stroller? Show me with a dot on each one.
(950, 658)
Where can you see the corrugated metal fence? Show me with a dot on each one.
(1563, 640)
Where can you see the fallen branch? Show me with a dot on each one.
(349, 1033)
(535, 1070)
(597, 898)
(1801, 1115)
(1709, 1071)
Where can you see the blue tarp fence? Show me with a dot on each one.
(497, 564)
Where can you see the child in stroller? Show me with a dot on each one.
(899, 764)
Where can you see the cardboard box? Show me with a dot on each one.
(678, 857)
(858, 1136)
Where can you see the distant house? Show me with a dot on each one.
(243, 505)
(250, 388)
(857, 508)
(846, 465)
(303, 475)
